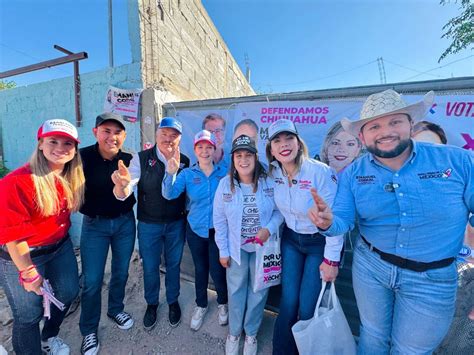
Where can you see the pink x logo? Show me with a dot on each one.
(469, 141)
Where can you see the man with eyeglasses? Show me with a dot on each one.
(411, 201)
(215, 124)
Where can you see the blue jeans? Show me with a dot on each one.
(245, 306)
(302, 254)
(98, 235)
(151, 239)
(206, 260)
(60, 268)
(401, 311)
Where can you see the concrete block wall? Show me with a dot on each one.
(182, 52)
(23, 109)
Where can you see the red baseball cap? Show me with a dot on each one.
(205, 136)
(58, 127)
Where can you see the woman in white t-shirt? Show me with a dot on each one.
(244, 214)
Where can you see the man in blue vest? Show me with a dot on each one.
(411, 201)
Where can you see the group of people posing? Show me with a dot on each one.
(411, 202)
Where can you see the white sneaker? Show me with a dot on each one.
(198, 317)
(250, 345)
(232, 345)
(223, 310)
(55, 346)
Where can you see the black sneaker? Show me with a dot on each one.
(122, 319)
(174, 314)
(90, 344)
(149, 319)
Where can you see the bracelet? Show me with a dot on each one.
(29, 268)
(26, 272)
(22, 280)
(330, 262)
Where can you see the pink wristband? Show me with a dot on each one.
(28, 281)
(330, 262)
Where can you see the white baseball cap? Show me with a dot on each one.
(205, 136)
(279, 126)
(58, 127)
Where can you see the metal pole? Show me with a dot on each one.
(77, 85)
(111, 37)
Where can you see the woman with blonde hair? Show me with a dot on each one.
(37, 200)
(340, 148)
(304, 250)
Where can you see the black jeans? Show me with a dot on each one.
(206, 259)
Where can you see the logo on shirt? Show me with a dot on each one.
(226, 197)
(334, 178)
(268, 192)
(196, 180)
(305, 184)
(440, 174)
(447, 173)
(365, 179)
(151, 162)
(279, 181)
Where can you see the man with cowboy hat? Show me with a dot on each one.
(411, 201)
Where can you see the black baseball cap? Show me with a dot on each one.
(244, 142)
(109, 116)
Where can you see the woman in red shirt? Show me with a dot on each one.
(35, 205)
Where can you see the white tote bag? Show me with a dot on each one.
(267, 264)
(328, 332)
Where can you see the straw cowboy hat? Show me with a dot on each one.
(386, 103)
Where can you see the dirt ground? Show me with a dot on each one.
(210, 339)
(163, 339)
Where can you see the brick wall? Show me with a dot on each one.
(182, 52)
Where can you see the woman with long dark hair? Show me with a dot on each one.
(304, 250)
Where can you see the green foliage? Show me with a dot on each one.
(6, 84)
(460, 29)
(3, 170)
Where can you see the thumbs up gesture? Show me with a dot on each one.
(173, 162)
(320, 213)
(121, 176)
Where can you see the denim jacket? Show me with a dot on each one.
(227, 214)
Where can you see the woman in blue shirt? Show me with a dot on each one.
(199, 182)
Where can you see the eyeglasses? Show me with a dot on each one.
(217, 130)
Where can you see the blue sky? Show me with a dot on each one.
(292, 45)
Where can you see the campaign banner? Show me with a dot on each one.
(318, 123)
(218, 121)
(455, 115)
(124, 102)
